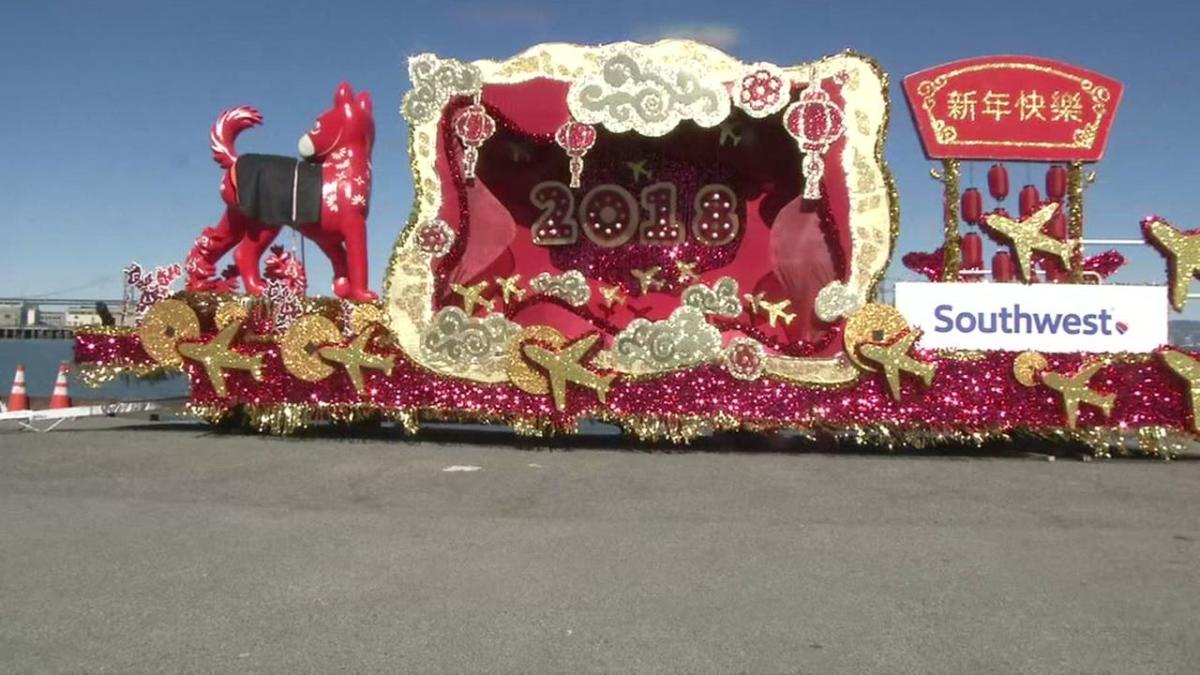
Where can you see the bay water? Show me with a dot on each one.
(41, 359)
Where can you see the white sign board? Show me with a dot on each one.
(1043, 317)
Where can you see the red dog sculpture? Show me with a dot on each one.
(326, 197)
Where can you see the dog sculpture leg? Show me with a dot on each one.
(354, 229)
(214, 242)
(333, 249)
(256, 241)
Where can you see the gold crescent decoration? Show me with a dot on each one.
(871, 323)
(300, 344)
(165, 324)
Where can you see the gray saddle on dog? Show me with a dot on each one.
(278, 190)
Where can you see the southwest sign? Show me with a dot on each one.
(1044, 317)
(1012, 107)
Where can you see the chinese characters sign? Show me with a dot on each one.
(1012, 107)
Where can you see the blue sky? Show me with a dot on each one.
(107, 105)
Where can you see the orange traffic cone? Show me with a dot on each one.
(18, 399)
(61, 398)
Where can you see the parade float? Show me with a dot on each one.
(675, 242)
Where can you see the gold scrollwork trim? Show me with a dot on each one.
(873, 217)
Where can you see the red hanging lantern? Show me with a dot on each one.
(1003, 269)
(1028, 200)
(816, 122)
(576, 138)
(1056, 183)
(972, 206)
(473, 126)
(998, 182)
(971, 247)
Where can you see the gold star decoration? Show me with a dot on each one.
(217, 356)
(472, 296)
(638, 169)
(1187, 368)
(613, 295)
(510, 288)
(1182, 252)
(566, 365)
(648, 278)
(686, 271)
(758, 302)
(1026, 236)
(355, 357)
(730, 131)
(1074, 391)
(894, 358)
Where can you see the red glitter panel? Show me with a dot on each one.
(731, 196)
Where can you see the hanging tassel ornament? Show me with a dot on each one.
(816, 123)
(473, 126)
(576, 138)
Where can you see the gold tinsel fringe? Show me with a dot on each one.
(285, 419)
(95, 375)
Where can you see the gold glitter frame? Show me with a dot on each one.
(873, 215)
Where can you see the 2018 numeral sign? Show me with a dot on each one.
(610, 216)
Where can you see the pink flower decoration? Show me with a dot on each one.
(762, 90)
(745, 358)
(435, 237)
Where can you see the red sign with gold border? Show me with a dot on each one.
(1013, 107)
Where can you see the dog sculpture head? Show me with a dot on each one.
(349, 123)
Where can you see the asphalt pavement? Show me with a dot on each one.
(169, 548)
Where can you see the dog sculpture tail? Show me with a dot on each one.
(226, 129)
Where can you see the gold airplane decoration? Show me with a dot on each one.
(472, 296)
(1182, 251)
(217, 356)
(895, 359)
(686, 271)
(510, 287)
(1025, 236)
(1074, 391)
(638, 169)
(354, 357)
(613, 295)
(774, 310)
(1187, 368)
(566, 365)
(647, 278)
